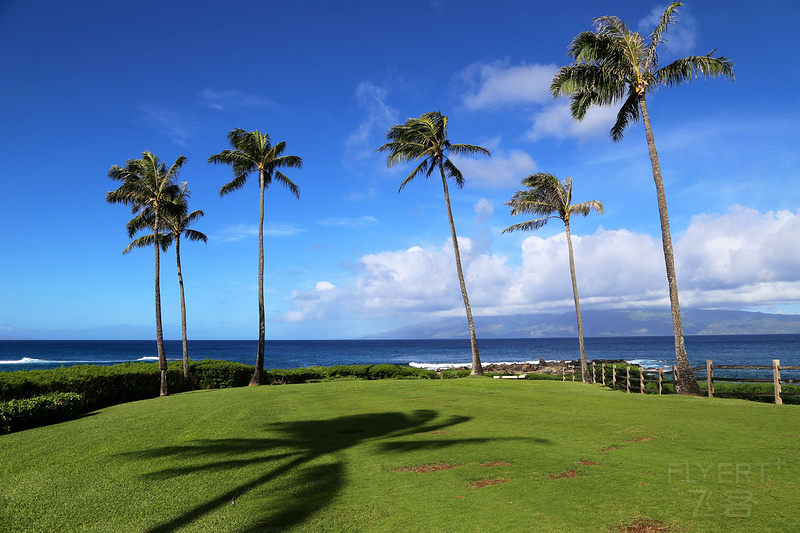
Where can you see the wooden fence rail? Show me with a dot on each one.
(636, 378)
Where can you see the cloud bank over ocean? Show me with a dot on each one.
(740, 258)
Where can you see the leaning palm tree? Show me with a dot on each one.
(148, 183)
(253, 152)
(175, 222)
(424, 139)
(615, 64)
(547, 196)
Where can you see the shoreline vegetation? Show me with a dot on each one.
(32, 398)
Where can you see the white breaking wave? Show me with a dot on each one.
(650, 363)
(438, 366)
(25, 360)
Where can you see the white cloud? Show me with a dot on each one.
(556, 121)
(503, 169)
(224, 100)
(743, 258)
(360, 222)
(363, 140)
(484, 210)
(237, 232)
(494, 85)
(741, 247)
(175, 126)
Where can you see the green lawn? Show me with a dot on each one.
(472, 454)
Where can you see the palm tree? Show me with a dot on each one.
(252, 152)
(547, 196)
(175, 220)
(424, 139)
(148, 183)
(615, 64)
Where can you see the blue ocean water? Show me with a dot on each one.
(648, 351)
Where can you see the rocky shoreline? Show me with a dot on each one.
(542, 367)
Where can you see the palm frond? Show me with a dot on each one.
(422, 168)
(531, 225)
(424, 139)
(192, 217)
(451, 171)
(585, 208)
(668, 18)
(252, 151)
(629, 112)
(281, 178)
(194, 235)
(234, 185)
(468, 149)
(546, 195)
(146, 241)
(587, 85)
(683, 70)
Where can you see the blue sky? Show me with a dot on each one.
(90, 84)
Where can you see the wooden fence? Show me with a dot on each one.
(635, 378)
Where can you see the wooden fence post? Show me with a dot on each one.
(573, 373)
(710, 377)
(641, 380)
(660, 380)
(593, 379)
(614, 377)
(603, 373)
(564, 374)
(776, 378)
(628, 379)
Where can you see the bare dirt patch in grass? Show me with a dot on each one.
(645, 525)
(561, 475)
(488, 482)
(610, 448)
(426, 468)
(586, 463)
(495, 463)
(640, 439)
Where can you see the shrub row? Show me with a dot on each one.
(30, 398)
(328, 373)
(25, 413)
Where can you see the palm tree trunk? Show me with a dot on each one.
(685, 382)
(584, 364)
(183, 309)
(256, 379)
(477, 369)
(162, 357)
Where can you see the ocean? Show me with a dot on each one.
(650, 352)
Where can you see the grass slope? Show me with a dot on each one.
(451, 455)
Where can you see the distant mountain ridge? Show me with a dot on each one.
(611, 323)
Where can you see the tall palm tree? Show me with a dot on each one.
(175, 222)
(424, 139)
(547, 196)
(615, 64)
(253, 152)
(148, 183)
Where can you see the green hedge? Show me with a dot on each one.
(213, 374)
(455, 373)
(322, 373)
(25, 413)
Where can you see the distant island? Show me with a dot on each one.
(610, 323)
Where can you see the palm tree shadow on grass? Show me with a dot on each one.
(313, 486)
